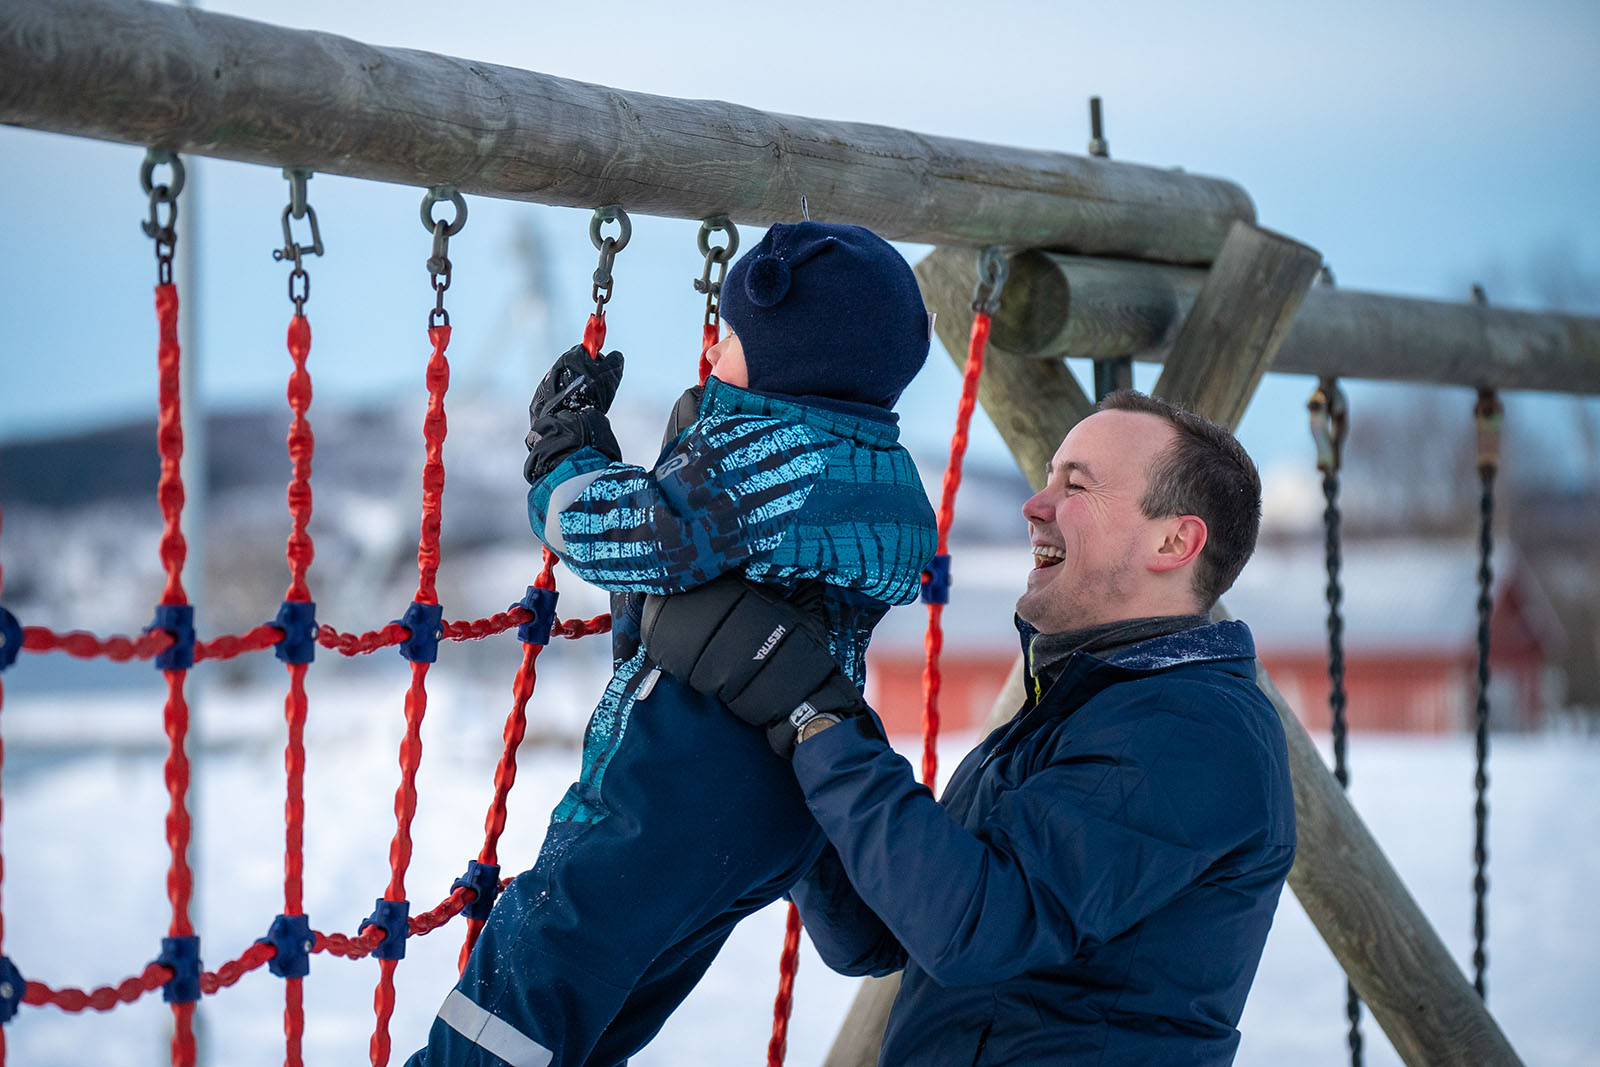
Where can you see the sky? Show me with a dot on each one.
(1419, 150)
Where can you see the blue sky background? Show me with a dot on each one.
(1419, 149)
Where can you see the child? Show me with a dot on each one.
(784, 469)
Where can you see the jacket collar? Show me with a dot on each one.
(1083, 674)
(864, 423)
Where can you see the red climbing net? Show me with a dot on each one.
(172, 643)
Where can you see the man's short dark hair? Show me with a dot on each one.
(1204, 472)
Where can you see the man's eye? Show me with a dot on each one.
(1073, 487)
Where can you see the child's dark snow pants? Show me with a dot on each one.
(585, 955)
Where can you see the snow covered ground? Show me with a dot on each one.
(85, 862)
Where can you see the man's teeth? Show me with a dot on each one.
(1047, 556)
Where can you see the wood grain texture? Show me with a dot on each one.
(1239, 319)
(1100, 308)
(156, 74)
(1033, 403)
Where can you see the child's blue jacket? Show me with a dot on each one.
(787, 493)
(1096, 884)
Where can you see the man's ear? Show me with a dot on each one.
(1182, 539)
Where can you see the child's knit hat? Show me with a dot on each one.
(827, 310)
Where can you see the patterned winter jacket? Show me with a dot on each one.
(800, 497)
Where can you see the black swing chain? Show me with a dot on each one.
(608, 248)
(299, 208)
(1489, 415)
(717, 256)
(439, 259)
(1329, 413)
(165, 234)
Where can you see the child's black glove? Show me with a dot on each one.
(575, 381)
(758, 655)
(556, 436)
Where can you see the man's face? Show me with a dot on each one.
(1090, 540)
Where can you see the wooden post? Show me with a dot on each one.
(1396, 961)
(1237, 323)
(1104, 308)
(154, 74)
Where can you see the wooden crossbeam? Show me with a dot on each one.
(1104, 308)
(170, 77)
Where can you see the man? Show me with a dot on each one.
(1096, 885)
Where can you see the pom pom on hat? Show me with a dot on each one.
(829, 311)
(767, 282)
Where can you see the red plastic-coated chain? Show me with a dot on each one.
(777, 1047)
(300, 550)
(934, 642)
(294, 806)
(169, 442)
(434, 427)
(708, 337)
(230, 647)
(103, 998)
(85, 645)
(383, 1009)
(253, 958)
(174, 550)
(594, 335)
(361, 644)
(505, 772)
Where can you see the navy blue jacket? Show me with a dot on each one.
(1096, 885)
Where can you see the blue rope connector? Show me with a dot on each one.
(291, 936)
(936, 581)
(10, 638)
(12, 986)
(426, 622)
(393, 917)
(298, 621)
(182, 954)
(542, 602)
(177, 620)
(485, 878)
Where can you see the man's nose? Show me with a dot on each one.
(1037, 507)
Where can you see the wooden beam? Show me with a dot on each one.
(861, 1034)
(1104, 308)
(1033, 403)
(161, 75)
(1237, 322)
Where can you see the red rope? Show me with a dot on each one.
(103, 998)
(433, 432)
(777, 1047)
(934, 641)
(169, 441)
(85, 645)
(708, 337)
(594, 335)
(174, 550)
(229, 647)
(299, 551)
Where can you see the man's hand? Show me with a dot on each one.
(758, 655)
(557, 435)
(575, 382)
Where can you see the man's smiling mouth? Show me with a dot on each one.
(1047, 556)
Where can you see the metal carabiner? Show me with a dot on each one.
(1329, 424)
